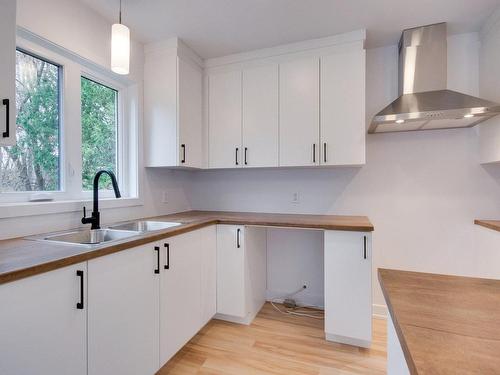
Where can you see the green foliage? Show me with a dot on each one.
(99, 111)
(33, 163)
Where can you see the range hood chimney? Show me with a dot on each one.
(424, 101)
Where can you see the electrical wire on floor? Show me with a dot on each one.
(299, 310)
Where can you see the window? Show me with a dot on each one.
(33, 163)
(99, 132)
(74, 118)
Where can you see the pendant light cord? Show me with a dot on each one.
(120, 17)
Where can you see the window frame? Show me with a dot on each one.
(121, 138)
(70, 194)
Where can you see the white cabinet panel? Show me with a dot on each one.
(172, 111)
(180, 290)
(41, 329)
(224, 120)
(396, 362)
(231, 299)
(208, 249)
(348, 292)
(343, 108)
(241, 272)
(123, 322)
(7, 72)
(260, 116)
(299, 112)
(160, 111)
(190, 115)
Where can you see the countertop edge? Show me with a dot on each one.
(397, 327)
(490, 224)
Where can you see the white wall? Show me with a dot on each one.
(77, 28)
(422, 190)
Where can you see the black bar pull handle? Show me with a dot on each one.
(157, 249)
(314, 153)
(79, 305)
(237, 152)
(238, 243)
(6, 103)
(246, 152)
(183, 146)
(324, 152)
(364, 247)
(167, 265)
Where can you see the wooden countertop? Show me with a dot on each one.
(22, 258)
(490, 224)
(445, 324)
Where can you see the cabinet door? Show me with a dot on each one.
(224, 120)
(190, 121)
(180, 290)
(231, 296)
(343, 108)
(260, 116)
(123, 312)
(41, 329)
(7, 72)
(299, 112)
(160, 111)
(348, 292)
(208, 249)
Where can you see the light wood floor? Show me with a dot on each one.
(276, 344)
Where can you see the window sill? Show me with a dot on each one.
(9, 210)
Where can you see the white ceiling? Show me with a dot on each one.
(220, 27)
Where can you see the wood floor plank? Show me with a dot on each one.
(276, 344)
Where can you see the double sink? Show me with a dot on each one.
(114, 233)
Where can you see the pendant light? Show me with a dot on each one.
(120, 46)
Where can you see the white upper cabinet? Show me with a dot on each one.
(42, 329)
(7, 72)
(299, 112)
(190, 114)
(343, 108)
(123, 321)
(260, 116)
(224, 120)
(172, 109)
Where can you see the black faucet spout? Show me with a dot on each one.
(95, 219)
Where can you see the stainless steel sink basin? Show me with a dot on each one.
(144, 226)
(88, 237)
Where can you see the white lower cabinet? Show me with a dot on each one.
(348, 287)
(208, 246)
(42, 330)
(241, 272)
(187, 288)
(123, 320)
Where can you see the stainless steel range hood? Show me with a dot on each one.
(424, 102)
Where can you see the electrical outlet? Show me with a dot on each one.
(296, 197)
(164, 197)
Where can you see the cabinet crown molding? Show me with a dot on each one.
(350, 37)
(172, 46)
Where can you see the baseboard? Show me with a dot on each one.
(347, 340)
(247, 320)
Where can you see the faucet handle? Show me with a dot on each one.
(84, 212)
